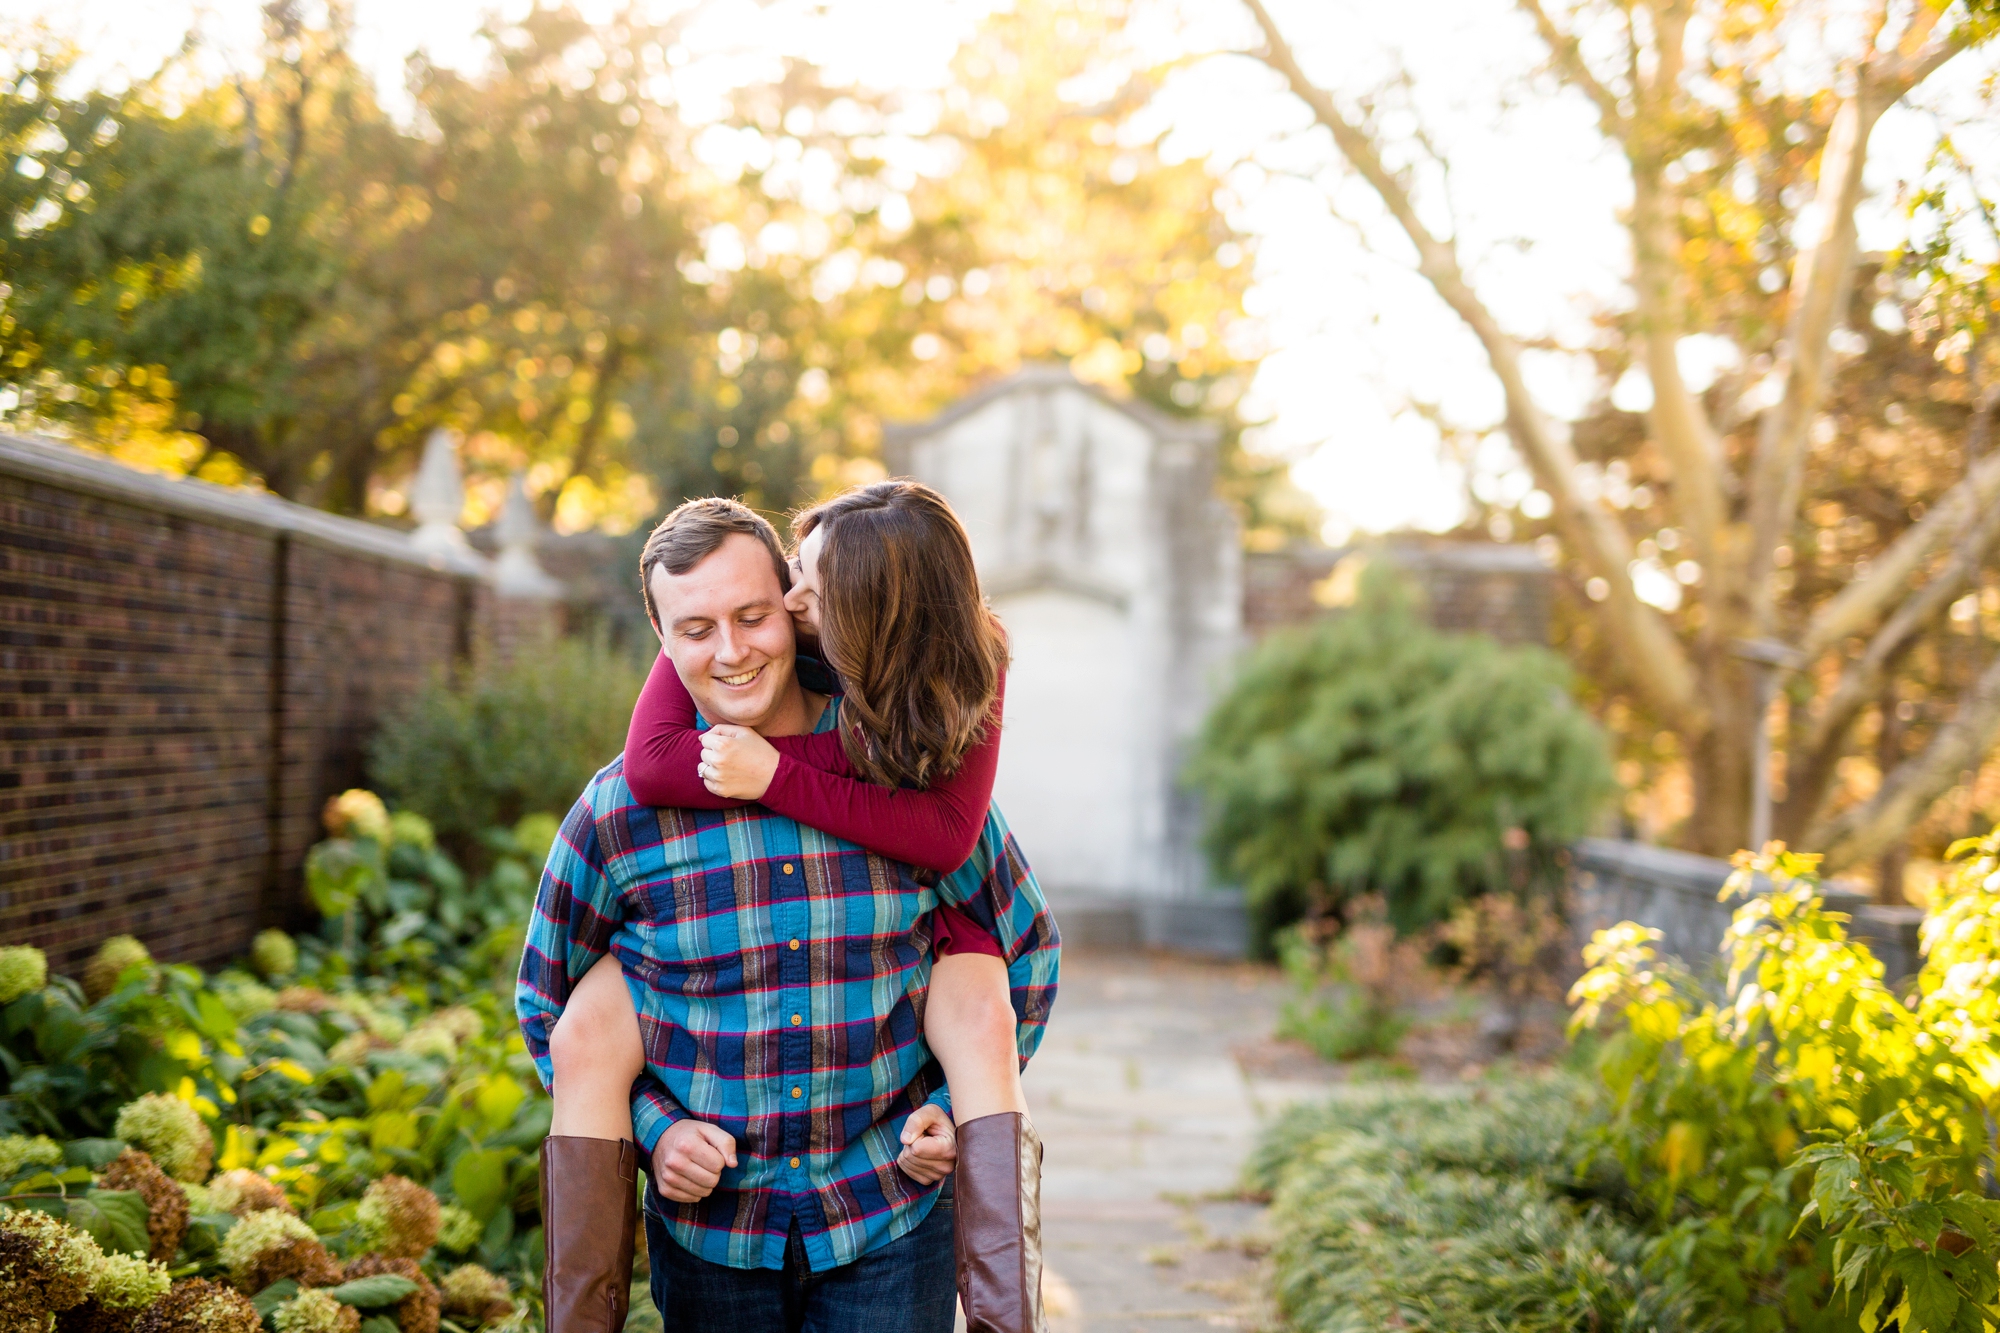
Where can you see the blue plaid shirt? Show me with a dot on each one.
(779, 975)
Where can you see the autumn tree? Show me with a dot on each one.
(1744, 190)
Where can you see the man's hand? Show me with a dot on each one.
(930, 1146)
(688, 1160)
(737, 763)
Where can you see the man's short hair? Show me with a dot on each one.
(691, 535)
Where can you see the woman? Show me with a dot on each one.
(883, 580)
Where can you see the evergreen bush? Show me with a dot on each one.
(1368, 753)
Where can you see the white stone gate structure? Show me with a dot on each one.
(1102, 545)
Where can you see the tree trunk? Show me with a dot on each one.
(1719, 760)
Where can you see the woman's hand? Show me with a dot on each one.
(737, 763)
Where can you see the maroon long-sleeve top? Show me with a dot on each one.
(935, 828)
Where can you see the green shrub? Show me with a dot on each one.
(480, 749)
(1368, 753)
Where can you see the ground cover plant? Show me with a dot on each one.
(336, 1133)
(1807, 1150)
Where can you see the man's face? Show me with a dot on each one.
(724, 624)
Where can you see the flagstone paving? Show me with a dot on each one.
(1147, 1116)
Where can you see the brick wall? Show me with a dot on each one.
(1482, 587)
(186, 673)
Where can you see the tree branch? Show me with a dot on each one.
(1862, 680)
(1646, 646)
(1571, 68)
(1822, 283)
(1862, 602)
(1863, 832)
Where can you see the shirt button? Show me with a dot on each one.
(788, 867)
(795, 945)
(795, 1161)
(796, 1092)
(796, 1020)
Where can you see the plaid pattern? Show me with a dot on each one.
(779, 975)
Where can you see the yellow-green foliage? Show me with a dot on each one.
(114, 957)
(315, 1312)
(23, 969)
(170, 1132)
(274, 955)
(398, 1218)
(1713, 1102)
(67, 1264)
(18, 1151)
(125, 1282)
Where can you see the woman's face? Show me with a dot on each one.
(803, 600)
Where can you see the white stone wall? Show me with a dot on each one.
(1080, 511)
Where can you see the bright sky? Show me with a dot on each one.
(1357, 340)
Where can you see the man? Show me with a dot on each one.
(794, 1121)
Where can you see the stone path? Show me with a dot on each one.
(1147, 1117)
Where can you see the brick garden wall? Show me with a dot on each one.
(186, 674)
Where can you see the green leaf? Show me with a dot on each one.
(368, 1292)
(275, 1295)
(93, 1153)
(1932, 1298)
(1974, 1216)
(379, 1323)
(1923, 1218)
(339, 872)
(115, 1219)
(479, 1178)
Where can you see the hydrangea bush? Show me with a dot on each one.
(325, 1138)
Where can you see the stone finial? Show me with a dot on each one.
(438, 498)
(517, 573)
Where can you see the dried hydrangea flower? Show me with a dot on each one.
(114, 957)
(166, 1201)
(24, 969)
(171, 1132)
(315, 1312)
(416, 1312)
(471, 1295)
(243, 1191)
(399, 1218)
(274, 954)
(199, 1306)
(269, 1245)
(18, 1152)
(53, 1270)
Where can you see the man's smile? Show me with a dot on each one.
(742, 678)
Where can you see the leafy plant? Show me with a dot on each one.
(500, 740)
(1813, 1148)
(1443, 1209)
(1343, 1001)
(1368, 753)
(384, 1096)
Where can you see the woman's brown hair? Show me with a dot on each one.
(919, 652)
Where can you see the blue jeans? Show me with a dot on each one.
(907, 1286)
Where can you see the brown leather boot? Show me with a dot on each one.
(589, 1217)
(999, 1224)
